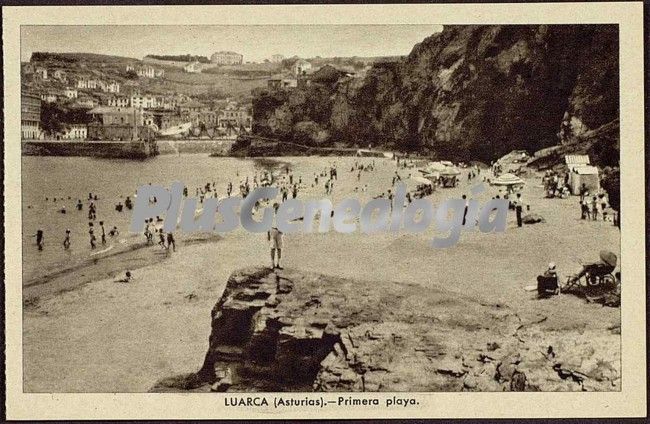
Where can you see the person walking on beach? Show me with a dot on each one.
(147, 231)
(93, 239)
(101, 224)
(161, 238)
(274, 236)
(171, 242)
(518, 209)
(466, 208)
(66, 241)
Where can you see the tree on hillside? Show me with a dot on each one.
(52, 118)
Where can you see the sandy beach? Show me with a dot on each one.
(93, 334)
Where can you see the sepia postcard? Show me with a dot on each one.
(347, 211)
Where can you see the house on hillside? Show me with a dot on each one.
(192, 68)
(279, 82)
(191, 106)
(41, 73)
(88, 84)
(114, 123)
(86, 102)
(301, 67)
(71, 93)
(227, 58)
(30, 115)
(112, 87)
(327, 75)
(49, 97)
(234, 117)
(119, 101)
(60, 75)
(277, 58)
(144, 101)
(146, 71)
(73, 132)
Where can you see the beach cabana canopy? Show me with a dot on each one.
(421, 180)
(434, 167)
(450, 171)
(608, 257)
(508, 180)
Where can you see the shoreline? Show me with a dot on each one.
(137, 255)
(125, 337)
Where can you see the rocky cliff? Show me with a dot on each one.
(468, 92)
(290, 330)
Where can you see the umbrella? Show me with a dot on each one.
(421, 180)
(508, 180)
(608, 257)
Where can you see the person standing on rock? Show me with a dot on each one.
(274, 236)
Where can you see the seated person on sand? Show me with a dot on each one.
(547, 283)
(126, 279)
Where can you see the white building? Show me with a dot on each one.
(60, 75)
(71, 93)
(144, 101)
(41, 72)
(192, 68)
(49, 97)
(146, 71)
(227, 58)
(87, 102)
(119, 101)
(112, 87)
(277, 58)
(89, 84)
(301, 66)
(74, 132)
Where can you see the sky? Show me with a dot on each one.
(255, 42)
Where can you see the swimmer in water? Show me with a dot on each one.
(66, 241)
(39, 239)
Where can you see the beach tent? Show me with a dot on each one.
(508, 180)
(573, 161)
(585, 174)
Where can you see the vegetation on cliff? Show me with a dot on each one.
(468, 92)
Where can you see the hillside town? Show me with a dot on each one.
(94, 101)
(96, 98)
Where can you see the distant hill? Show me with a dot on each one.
(179, 58)
(79, 57)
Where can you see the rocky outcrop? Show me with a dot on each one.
(468, 92)
(289, 330)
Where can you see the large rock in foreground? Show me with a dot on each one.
(288, 330)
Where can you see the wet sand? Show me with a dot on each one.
(115, 337)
